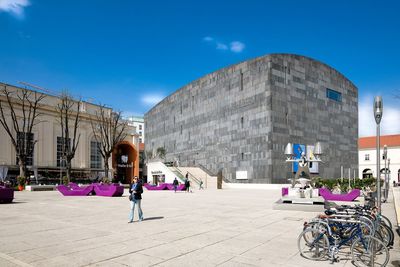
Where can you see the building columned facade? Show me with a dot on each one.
(46, 159)
(239, 119)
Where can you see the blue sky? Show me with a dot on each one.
(130, 54)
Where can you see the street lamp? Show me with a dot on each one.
(388, 179)
(378, 112)
(385, 157)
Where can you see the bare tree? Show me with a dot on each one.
(69, 111)
(109, 129)
(23, 108)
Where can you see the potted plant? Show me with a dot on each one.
(21, 182)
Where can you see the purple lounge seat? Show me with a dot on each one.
(351, 196)
(6, 194)
(75, 191)
(164, 186)
(285, 191)
(113, 190)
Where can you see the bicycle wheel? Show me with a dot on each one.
(386, 221)
(313, 244)
(387, 234)
(365, 252)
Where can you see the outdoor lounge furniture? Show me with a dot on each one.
(112, 190)
(164, 186)
(328, 195)
(75, 190)
(6, 194)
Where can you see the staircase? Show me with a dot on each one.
(196, 175)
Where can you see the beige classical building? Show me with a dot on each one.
(367, 156)
(46, 159)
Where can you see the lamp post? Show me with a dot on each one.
(388, 179)
(378, 111)
(385, 157)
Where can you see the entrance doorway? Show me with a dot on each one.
(125, 162)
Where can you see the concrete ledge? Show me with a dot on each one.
(396, 198)
(40, 187)
(280, 205)
(254, 186)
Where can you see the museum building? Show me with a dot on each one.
(240, 118)
(46, 159)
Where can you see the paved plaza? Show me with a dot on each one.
(230, 227)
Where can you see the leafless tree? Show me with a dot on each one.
(22, 106)
(109, 129)
(69, 112)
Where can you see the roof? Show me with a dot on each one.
(233, 66)
(370, 141)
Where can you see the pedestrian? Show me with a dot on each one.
(201, 184)
(187, 185)
(187, 176)
(135, 197)
(175, 183)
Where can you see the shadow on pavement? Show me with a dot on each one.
(153, 218)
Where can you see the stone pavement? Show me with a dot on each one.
(231, 227)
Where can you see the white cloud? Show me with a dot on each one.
(221, 46)
(14, 7)
(152, 99)
(237, 46)
(208, 39)
(390, 123)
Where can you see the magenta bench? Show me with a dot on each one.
(328, 195)
(74, 190)
(6, 194)
(113, 190)
(165, 186)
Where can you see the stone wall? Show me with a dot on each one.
(240, 118)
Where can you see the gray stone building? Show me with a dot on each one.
(241, 117)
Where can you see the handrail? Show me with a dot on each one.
(191, 176)
(204, 169)
(209, 173)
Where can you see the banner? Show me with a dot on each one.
(297, 150)
(313, 166)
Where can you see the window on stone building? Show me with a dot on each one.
(140, 140)
(242, 122)
(242, 155)
(334, 95)
(140, 127)
(181, 129)
(95, 155)
(25, 142)
(366, 156)
(60, 146)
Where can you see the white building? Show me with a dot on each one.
(367, 156)
(138, 123)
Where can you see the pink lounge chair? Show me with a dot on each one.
(75, 190)
(112, 190)
(6, 194)
(164, 186)
(327, 195)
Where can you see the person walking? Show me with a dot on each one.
(135, 191)
(187, 185)
(175, 183)
(201, 184)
